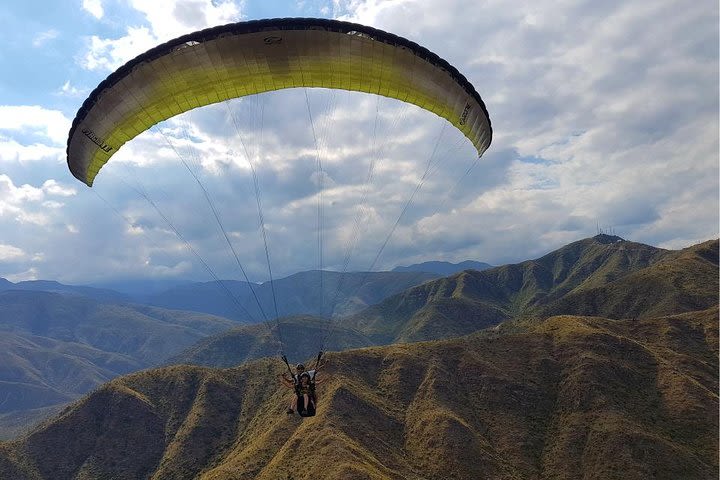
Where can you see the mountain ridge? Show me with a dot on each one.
(443, 268)
(471, 300)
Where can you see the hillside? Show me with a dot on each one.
(603, 275)
(298, 294)
(566, 398)
(55, 347)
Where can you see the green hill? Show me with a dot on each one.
(568, 397)
(679, 281)
(603, 275)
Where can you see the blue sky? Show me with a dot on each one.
(603, 113)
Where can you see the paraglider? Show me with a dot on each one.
(303, 384)
(249, 58)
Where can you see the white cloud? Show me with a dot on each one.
(94, 8)
(51, 124)
(109, 54)
(69, 90)
(12, 195)
(11, 150)
(37, 218)
(43, 37)
(9, 252)
(164, 20)
(52, 187)
(52, 204)
(27, 275)
(26, 204)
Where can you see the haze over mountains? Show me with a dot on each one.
(641, 371)
(305, 293)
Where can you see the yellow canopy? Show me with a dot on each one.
(247, 58)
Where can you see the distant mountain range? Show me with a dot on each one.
(443, 269)
(306, 293)
(298, 294)
(565, 397)
(99, 294)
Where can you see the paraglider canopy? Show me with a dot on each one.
(248, 58)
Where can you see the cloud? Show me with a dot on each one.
(27, 275)
(163, 21)
(52, 187)
(69, 90)
(8, 252)
(27, 204)
(11, 150)
(43, 37)
(94, 8)
(15, 195)
(109, 54)
(49, 124)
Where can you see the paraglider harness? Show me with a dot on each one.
(309, 409)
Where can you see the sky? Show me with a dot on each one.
(605, 116)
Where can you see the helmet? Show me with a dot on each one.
(300, 366)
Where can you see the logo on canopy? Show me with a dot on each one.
(272, 40)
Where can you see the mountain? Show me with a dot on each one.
(298, 294)
(55, 347)
(679, 281)
(139, 289)
(568, 397)
(596, 276)
(98, 294)
(603, 275)
(443, 269)
(302, 336)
